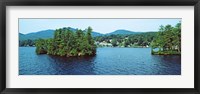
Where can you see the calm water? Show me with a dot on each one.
(108, 61)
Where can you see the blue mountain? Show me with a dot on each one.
(123, 32)
(36, 35)
(44, 34)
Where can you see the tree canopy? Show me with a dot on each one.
(132, 40)
(168, 40)
(68, 43)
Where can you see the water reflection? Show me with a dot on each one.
(72, 65)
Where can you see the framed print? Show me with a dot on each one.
(87, 46)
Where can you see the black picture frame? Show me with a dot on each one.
(4, 3)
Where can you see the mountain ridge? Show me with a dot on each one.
(122, 32)
(50, 32)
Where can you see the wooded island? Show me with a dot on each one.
(68, 43)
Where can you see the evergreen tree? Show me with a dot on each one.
(168, 40)
(68, 43)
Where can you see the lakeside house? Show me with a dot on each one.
(103, 44)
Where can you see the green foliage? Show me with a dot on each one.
(41, 46)
(68, 43)
(168, 40)
(133, 40)
(114, 42)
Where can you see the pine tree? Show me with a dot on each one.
(68, 43)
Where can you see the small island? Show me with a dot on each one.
(68, 42)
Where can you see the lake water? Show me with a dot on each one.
(108, 61)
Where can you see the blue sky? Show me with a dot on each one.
(98, 25)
